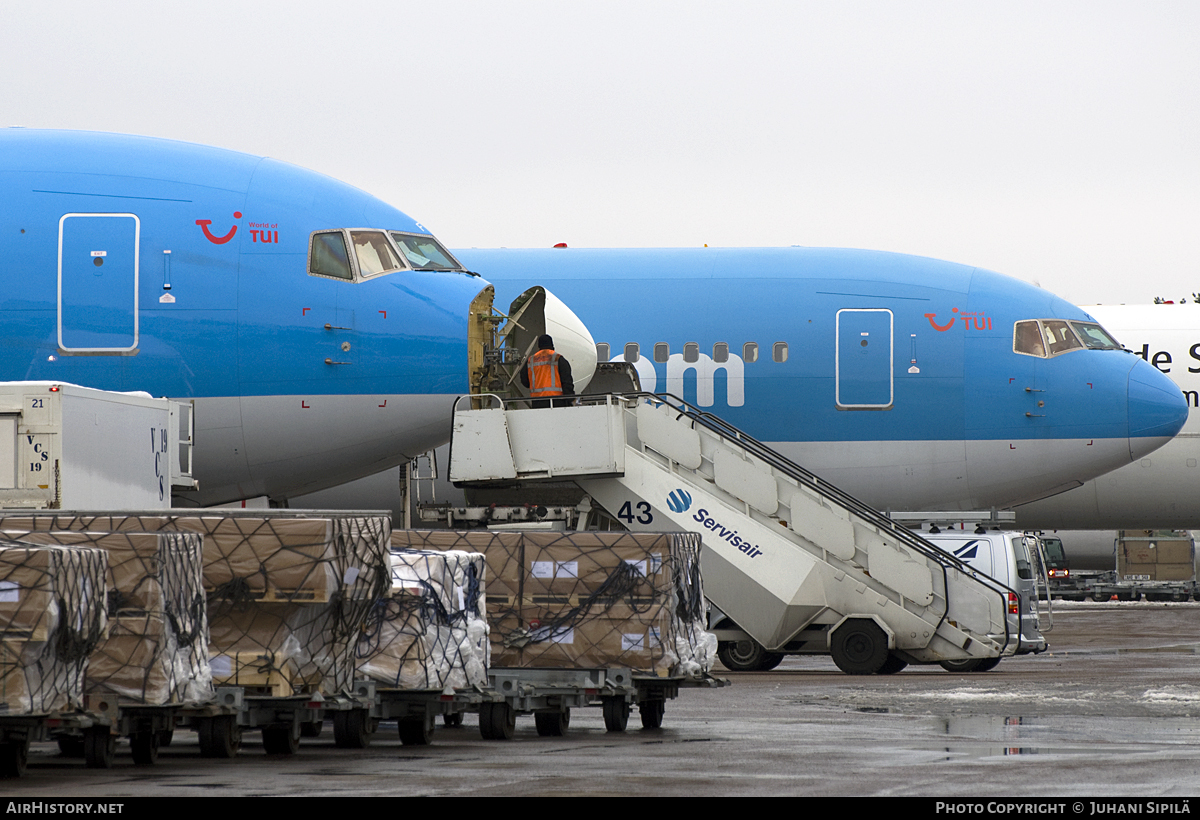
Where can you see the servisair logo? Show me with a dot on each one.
(679, 501)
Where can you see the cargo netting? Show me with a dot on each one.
(156, 651)
(589, 599)
(431, 631)
(52, 617)
(287, 592)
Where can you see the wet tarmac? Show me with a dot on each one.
(1113, 709)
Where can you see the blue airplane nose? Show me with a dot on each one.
(1157, 409)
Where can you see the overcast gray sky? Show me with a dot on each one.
(1054, 141)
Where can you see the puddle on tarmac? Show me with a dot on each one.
(1181, 649)
(978, 736)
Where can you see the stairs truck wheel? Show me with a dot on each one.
(452, 720)
(988, 665)
(747, 656)
(965, 665)
(892, 665)
(859, 647)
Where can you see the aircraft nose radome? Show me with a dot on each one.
(1157, 410)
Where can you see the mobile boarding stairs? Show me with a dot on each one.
(786, 555)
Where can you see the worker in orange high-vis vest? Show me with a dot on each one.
(547, 375)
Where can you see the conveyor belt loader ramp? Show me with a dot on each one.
(784, 551)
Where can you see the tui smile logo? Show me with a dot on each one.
(218, 240)
(979, 319)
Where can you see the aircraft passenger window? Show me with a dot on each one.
(720, 352)
(374, 252)
(662, 351)
(327, 256)
(1027, 339)
(425, 253)
(602, 352)
(1060, 337)
(691, 352)
(1094, 337)
(631, 352)
(779, 352)
(750, 352)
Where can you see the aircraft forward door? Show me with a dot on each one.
(98, 283)
(864, 372)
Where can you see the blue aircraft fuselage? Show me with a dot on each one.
(893, 376)
(133, 263)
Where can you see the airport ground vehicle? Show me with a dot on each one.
(1158, 565)
(789, 559)
(1058, 566)
(1011, 558)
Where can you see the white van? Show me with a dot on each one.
(1008, 558)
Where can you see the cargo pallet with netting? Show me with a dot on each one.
(52, 617)
(285, 595)
(423, 652)
(152, 663)
(583, 619)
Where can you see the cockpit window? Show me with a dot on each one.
(1095, 337)
(327, 256)
(1027, 339)
(425, 253)
(1060, 336)
(375, 254)
(1050, 337)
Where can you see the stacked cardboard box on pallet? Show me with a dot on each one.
(590, 599)
(1156, 555)
(431, 632)
(270, 586)
(52, 615)
(156, 651)
(287, 592)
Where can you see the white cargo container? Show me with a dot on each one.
(68, 447)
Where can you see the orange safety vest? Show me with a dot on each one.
(543, 375)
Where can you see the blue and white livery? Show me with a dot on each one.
(911, 383)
